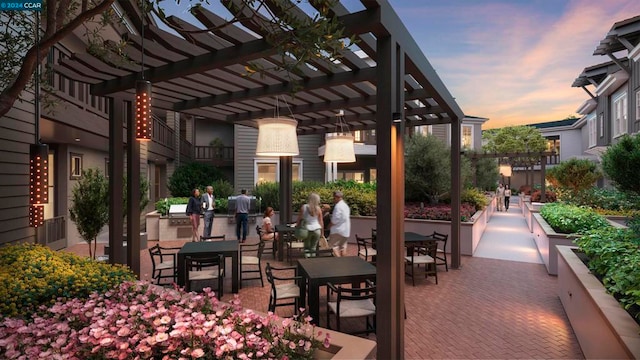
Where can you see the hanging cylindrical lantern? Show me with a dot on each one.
(339, 148)
(38, 174)
(36, 215)
(143, 110)
(277, 137)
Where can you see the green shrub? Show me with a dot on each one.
(620, 163)
(190, 176)
(569, 219)
(574, 175)
(34, 275)
(606, 199)
(162, 206)
(222, 189)
(550, 196)
(614, 257)
(269, 193)
(474, 197)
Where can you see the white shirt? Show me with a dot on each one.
(341, 220)
(210, 201)
(310, 220)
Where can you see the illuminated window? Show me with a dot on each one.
(269, 171)
(553, 144)
(467, 136)
(423, 130)
(357, 176)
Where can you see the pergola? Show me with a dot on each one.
(202, 74)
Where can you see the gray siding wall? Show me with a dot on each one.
(634, 87)
(245, 140)
(313, 166)
(16, 134)
(442, 132)
(207, 130)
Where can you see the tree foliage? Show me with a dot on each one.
(90, 206)
(514, 139)
(428, 169)
(574, 175)
(190, 176)
(298, 39)
(620, 162)
(487, 174)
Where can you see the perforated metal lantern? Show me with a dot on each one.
(277, 137)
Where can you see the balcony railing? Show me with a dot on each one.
(54, 229)
(214, 153)
(162, 133)
(186, 149)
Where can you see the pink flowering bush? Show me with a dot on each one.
(142, 321)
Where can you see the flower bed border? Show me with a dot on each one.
(603, 328)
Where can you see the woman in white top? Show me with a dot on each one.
(268, 232)
(312, 215)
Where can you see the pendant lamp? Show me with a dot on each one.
(277, 135)
(505, 170)
(339, 144)
(143, 98)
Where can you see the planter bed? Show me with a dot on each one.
(528, 209)
(547, 239)
(603, 328)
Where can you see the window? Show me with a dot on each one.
(467, 136)
(358, 136)
(601, 124)
(620, 112)
(423, 130)
(106, 168)
(593, 130)
(373, 174)
(269, 171)
(75, 161)
(553, 143)
(357, 176)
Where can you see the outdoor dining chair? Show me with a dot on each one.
(422, 254)
(366, 248)
(205, 268)
(441, 255)
(250, 260)
(284, 287)
(352, 303)
(163, 263)
(272, 241)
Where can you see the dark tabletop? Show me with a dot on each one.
(283, 228)
(209, 246)
(415, 237)
(336, 266)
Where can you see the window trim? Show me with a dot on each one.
(637, 105)
(593, 130)
(78, 173)
(271, 160)
(619, 121)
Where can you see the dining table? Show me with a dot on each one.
(319, 271)
(200, 249)
(284, 232)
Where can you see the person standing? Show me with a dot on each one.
(312, 215)
(208, 206)
(194, 208)
(243, 203)
(507, 198)
(500, 197)
(340, 225)
(326, 219)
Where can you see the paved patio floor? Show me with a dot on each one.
(488, 309)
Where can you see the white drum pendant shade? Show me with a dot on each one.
(277, 137)
(339, 148)
(505, 170)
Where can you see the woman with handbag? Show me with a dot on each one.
(194, 209)
(311, 214)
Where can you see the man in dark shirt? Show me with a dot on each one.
(243, 202)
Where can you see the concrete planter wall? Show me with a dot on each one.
(603, 328)
(547, 239)
(470, 232)
(528, 209)
(159, 229)
(344, 346)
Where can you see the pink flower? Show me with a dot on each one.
(197, 353)
(124, 331)
(161, 337)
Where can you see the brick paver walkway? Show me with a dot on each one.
(488, 309)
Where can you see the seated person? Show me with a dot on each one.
(268, 230)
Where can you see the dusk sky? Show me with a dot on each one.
(511, 61)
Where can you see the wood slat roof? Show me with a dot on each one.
(203, 73)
